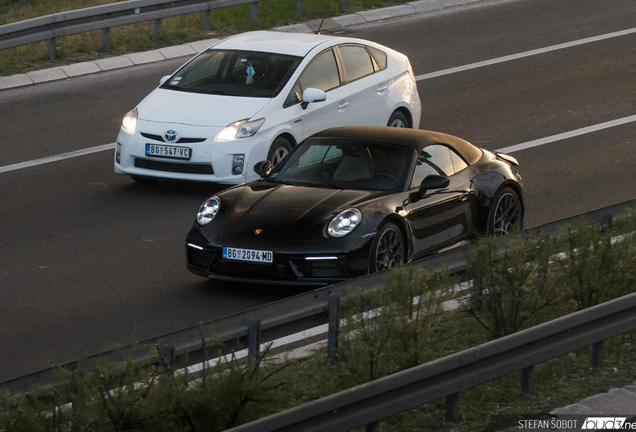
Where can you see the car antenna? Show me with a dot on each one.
(321, 22)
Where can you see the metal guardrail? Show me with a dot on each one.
(447, 376)
(112, 15)
(282, 318)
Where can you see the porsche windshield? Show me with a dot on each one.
(235, 73)
(346, 164)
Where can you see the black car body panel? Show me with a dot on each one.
(290, 219)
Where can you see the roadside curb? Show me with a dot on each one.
(192, 48)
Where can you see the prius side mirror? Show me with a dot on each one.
(263, 168)
(164, 79)
(432, 181)
(311, 95)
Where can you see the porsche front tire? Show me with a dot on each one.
(388, 249)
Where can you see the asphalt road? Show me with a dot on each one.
(90, 260)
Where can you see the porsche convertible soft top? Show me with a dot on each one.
(416, 139)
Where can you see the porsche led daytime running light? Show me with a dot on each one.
(208, 210)
(344, 223)
(239, 129)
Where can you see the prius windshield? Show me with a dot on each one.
(235, 73)
(346, 164)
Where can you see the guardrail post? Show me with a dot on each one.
(527, 379)
(206, 20)
(343, 3)
(300, 4)
(334, 325)
(597, 354)
(451, 415)
(105, 39)
(157, 30)
(254, 339)
(253, 11)
(52, 49)
(373, 427)
(168, 355)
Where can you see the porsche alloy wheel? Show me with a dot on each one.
(505, 215)
(388, 249)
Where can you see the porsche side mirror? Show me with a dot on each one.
(311, 95)
(432, 181)
(263, 168)
(163, 79)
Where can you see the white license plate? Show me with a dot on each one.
(166, 151)
(259, 256)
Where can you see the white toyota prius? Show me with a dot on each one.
(254, 96)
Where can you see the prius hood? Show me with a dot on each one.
(279, 212)
(196, 109)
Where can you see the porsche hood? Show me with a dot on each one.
(280, 212)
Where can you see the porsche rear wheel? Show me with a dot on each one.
(388, 249)
(505, 213)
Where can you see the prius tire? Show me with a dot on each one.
(388, 249)
(505, 215)
(398, 119)
(279, 149)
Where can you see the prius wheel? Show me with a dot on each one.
(505, 213)
(398, 119)
(388, 249)
(279, 149)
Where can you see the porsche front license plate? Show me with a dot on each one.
(172, 152)
(259, 256)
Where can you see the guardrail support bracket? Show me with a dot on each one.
(254, 339)
(334, 325)
(51, 47)
(105, 39)
(527, 379)
(253, 11)
(206, 19)
(373, 427)
(597, 354)
(157, 30)
(452, 414)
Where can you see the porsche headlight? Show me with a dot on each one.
(208, 210)
(344, 223)
(239, 129)
(130, 121)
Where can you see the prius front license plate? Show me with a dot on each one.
(166, 151)
(259, 256)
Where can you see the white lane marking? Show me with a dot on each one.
(417, 78)
(566, 135)
(56, 158)
(525, 54)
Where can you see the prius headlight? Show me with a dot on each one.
(239, 129)
(344, 223)
(208, 210)
(129, 124)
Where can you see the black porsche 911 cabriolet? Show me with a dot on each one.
(354, 200)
